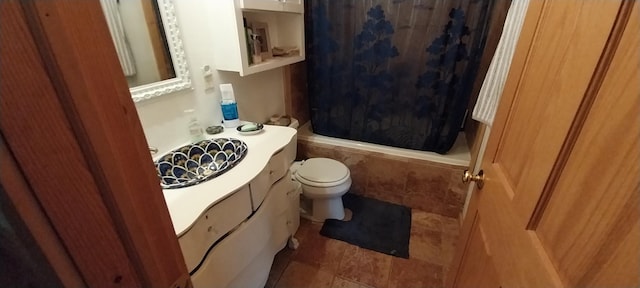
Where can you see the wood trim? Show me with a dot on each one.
(160, 52)
(68, 117)
(599, 74)
(26, 205)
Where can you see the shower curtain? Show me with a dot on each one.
(393, 72)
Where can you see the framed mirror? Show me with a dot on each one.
(147, 39)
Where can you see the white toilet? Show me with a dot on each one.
(324, 181)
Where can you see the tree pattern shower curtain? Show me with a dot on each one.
(393, 72)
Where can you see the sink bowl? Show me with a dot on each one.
(198, 162)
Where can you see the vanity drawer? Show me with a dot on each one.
(276, 168)
(213, 224)
(260, 186)
(244, 258)
(281, 161)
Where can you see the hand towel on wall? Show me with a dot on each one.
(488, 99)
(114, 21)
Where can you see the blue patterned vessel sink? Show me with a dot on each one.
(199, 162)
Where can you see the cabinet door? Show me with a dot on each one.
(270, 5)
(260, 186)
(293, 195)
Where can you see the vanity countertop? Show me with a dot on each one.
(187, 204)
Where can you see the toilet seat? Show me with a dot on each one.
(306, 182)
(322, 172)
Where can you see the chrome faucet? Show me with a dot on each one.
(153, 150)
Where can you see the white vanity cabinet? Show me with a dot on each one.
(213, 224)
(283, 18)
(233, 242)
(276, 168)
(244, 258)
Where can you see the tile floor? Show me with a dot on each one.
(324, 262)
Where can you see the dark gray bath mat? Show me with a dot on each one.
(376, 225)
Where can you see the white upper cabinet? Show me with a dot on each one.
(279, 23)
(295, 6)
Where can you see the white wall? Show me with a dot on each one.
(259, 96)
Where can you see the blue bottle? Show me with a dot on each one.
(229, 106)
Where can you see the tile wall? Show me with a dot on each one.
(295, 91)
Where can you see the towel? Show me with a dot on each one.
(114, 21)
(489, 97)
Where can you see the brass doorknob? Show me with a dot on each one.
(479, 179)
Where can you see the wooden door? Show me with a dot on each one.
(559, 207)
(75, 164)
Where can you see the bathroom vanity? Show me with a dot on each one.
(230, 227)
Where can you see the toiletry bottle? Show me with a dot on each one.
(229, 106)
(195, 130)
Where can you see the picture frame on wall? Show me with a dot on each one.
(261, 40)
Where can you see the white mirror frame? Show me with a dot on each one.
(182, 80)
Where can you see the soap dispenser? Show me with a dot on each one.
(229, 106)
(195, 129)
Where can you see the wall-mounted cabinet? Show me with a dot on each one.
(284, 22)
(295, 6)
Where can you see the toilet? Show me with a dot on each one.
(323, 181)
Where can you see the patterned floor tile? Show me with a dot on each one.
(414, 273)
(298, 275)
(365, 266)
(324, 262)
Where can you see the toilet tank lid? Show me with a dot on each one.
(323, 170)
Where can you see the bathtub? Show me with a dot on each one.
(421, 180)
(457, 156)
